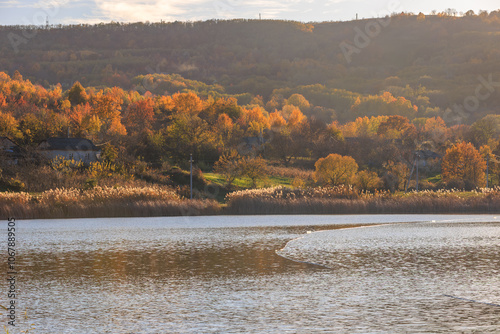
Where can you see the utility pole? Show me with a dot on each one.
(409, 178)
(191, 175)
(417, 157)
(487, 168)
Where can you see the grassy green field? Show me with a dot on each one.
(434, 179)
(245, 182)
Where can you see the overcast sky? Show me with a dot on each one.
(94, 11)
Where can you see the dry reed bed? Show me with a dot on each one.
(346, 200)
(103, 202)
(164, 201)
(290, 172)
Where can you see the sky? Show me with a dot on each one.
(35, 12)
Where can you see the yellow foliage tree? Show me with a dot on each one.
(9, 126)
(335, 170)
(299, 101)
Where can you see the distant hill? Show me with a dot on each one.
(436, 61)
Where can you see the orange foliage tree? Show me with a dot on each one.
(254, 120)
(187, 102)
(226, 130)
(107, 107)
(139, 115)
(83, 123)
(276, 121)
(464, 162)
(435, 129)
(394, 127)
(296, 118)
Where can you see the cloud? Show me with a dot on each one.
(244, 8)
(10, 3)
(81, 20)
(95, 11)
(14, 3)
(39, 3)
(137, 10)
(170, 10)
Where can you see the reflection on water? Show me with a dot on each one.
(173, 260)
(223, 274)
(412, 269)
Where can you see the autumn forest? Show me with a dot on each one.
(269, 110)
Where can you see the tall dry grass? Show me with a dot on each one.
(290, 172)
(103, 202)
(346, 200)
(164, 201)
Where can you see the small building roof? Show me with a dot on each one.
(427, 154)
(67, 144)
(9, 147)
(252, 140)
(6, 141)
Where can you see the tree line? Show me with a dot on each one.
(241, 139)
(432, 60)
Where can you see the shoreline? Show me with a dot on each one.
(213, 208)
(157, 202)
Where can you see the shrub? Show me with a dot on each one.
(455, 183)
(298, 183)
(253, 168)
(229, 166)
(367, 181)
(90, 183)
(16, 184)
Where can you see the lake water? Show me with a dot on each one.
(260, 274)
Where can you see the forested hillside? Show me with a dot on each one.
(256, 100)
(436, 62)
